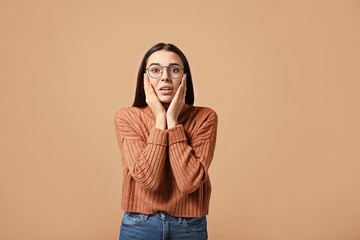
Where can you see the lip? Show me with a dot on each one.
(165, 92)
(165, 86)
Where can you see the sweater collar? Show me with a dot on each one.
(149, 112)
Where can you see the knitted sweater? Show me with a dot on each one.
(166, 170)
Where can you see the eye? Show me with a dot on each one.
(174, 70)
(155, 69)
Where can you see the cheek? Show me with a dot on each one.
(153, 83)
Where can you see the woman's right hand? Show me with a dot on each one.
(154, 103)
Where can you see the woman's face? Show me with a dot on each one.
(165, 86)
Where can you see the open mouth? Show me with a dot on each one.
(165, 91)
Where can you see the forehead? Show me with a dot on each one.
(164, 58)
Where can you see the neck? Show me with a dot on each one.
(166, 105)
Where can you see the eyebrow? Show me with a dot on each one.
(168, 65)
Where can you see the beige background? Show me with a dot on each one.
(283, 77)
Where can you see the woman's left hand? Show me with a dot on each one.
(176, 104)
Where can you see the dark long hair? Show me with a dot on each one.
(140, 92)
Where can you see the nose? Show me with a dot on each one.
(165, 75)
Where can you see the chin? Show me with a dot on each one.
(166, 100)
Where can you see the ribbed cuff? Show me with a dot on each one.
(176, 134)
(157, 136)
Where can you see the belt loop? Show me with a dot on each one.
(180, 219)
(163, 215)
(145, 216)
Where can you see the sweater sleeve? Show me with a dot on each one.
(144, 158)
(190, 162)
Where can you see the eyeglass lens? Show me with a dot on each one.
(155, 71)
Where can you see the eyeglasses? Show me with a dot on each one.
(174, 70)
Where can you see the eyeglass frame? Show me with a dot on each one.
(173, 64)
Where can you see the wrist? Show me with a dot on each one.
(172, 123)
(160, 122)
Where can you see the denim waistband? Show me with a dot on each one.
(161, 214)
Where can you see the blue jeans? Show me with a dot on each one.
(161, 226)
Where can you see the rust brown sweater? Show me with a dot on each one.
(166, 170)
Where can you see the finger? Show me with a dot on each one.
(149, 86)
(145, 81)
(147, 90)
(148, 81)
(152, 90)
(183, 90)
(185, 81)
(178, 91)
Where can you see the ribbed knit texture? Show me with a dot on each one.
(166, 170)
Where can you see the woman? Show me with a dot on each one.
(167, 145)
